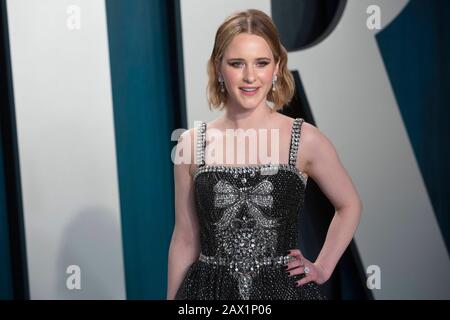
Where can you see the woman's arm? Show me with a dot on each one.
(323, 165)
(185, 244)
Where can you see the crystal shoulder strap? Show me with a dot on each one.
(201, 143)
(295, 140)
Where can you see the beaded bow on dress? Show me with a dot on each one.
(248, 221)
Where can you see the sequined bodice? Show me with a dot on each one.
(248, 215)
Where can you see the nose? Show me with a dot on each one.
(249, 74)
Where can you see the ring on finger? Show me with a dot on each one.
(306, 270)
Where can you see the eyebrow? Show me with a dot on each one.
(240, 59)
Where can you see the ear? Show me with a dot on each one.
(277, 68)
(217, 66)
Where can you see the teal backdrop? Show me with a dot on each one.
(6, 290)
(416, 51)
(6, 281)
(145, 115)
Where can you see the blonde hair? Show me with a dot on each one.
(258, 23)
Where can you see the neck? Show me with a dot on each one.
(247, 119)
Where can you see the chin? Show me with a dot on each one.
(248, 106)
(249, 103)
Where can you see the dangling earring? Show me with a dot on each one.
(274, 80)
(222, 87)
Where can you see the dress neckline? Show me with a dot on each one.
(266, 169)
(242, 169)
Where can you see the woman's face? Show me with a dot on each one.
(248, 68)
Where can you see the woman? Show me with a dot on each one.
(236, 225)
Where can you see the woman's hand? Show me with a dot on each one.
(314, 272)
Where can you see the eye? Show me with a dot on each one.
(262, 63)
(236, 64)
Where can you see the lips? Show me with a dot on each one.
(249, 91)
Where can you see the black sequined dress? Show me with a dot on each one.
(248, 222)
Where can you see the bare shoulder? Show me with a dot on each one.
(314, 145)
(312, 137)
(186, 139)
(186, 151)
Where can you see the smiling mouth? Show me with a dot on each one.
(249, 91)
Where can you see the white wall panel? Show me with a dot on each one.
(65, 128)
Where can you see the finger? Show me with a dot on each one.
(298, 256)
(294, 264)
(295, 253)
(295, 271)
(303, 281)
(301, 270)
